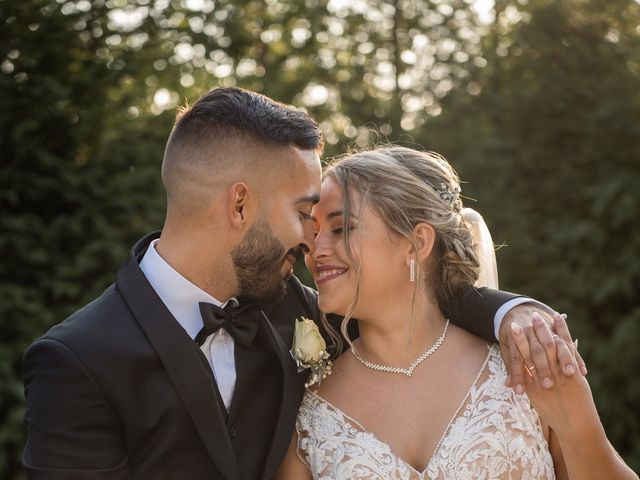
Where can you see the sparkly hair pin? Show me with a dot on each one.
(448, 194)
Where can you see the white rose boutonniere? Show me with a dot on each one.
(309, 350)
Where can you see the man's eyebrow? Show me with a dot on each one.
(313, 199)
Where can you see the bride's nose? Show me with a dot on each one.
(322, 245)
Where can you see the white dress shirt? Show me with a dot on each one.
(181, 297)
(506, 306)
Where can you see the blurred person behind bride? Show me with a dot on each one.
(415, 396)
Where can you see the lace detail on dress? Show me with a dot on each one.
(495, 434)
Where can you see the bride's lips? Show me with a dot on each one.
(325, 273)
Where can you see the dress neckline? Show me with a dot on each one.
(347, 419)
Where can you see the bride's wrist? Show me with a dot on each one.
(576, 428)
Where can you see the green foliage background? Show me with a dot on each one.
(537, 105)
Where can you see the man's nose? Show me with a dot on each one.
(308, 244)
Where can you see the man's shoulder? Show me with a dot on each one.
(104, 317)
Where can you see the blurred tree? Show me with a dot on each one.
(547, 135)
(352, 65)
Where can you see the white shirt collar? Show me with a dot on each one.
(179, 295)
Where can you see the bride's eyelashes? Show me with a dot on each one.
(340, 230)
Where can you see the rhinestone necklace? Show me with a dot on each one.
(404, 371)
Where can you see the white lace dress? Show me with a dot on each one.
(494, 434)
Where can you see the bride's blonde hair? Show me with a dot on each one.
(407, 187)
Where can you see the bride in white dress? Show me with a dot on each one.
(416, 397)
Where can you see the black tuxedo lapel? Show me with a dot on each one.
(179, 355)
(291, 397)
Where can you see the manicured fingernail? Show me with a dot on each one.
(536, 317)
(515, 328)
(569, 369)
(563, 315)
(547, 383)
(519, 389)
(583, 370)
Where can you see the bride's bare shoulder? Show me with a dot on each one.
(466, 340)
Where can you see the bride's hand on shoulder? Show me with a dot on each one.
(525, 347)
(568, 404)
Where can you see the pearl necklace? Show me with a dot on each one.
(404, 371)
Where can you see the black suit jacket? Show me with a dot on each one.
(120, 391)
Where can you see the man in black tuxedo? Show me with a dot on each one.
(164, 376)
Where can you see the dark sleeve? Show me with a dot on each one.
(474, 309)
(72, 433)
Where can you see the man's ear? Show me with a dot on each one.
(238, 200)
(424, 236)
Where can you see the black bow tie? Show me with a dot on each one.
(240, 321)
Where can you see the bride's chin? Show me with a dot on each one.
(327, 306)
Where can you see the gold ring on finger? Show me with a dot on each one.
(530, 369)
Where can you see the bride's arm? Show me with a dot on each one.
(584, 452)
(292, 467)
(578, 442)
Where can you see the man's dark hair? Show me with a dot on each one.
(229, 111)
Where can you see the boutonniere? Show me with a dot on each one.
(309, 350)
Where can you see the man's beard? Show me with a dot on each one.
(258, 261)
